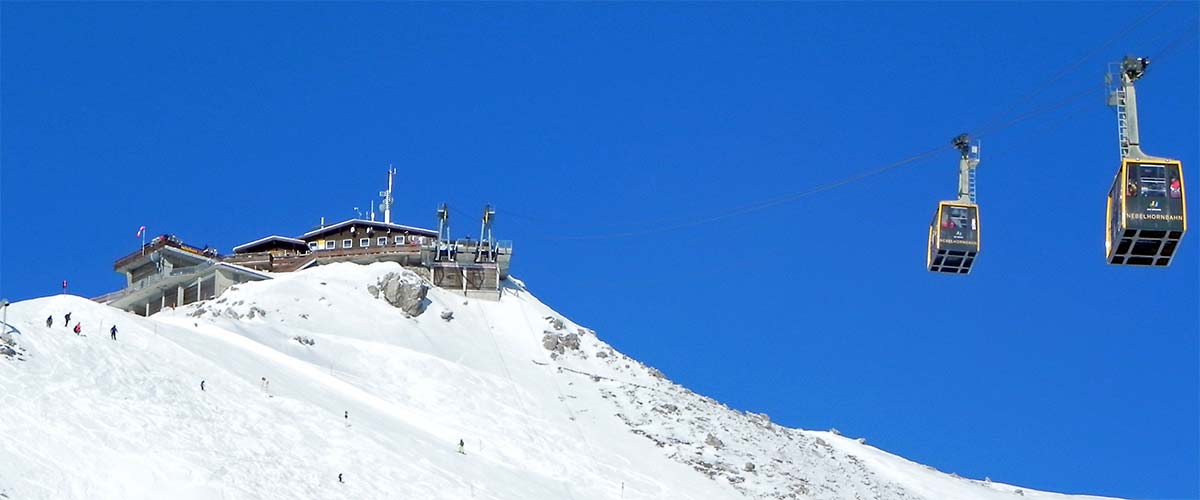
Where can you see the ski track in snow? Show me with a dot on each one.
(89, 418)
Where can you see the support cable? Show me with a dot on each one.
(995, 125)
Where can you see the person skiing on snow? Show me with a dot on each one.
(67, 321)
(340, 478)
(49, 321)
(201, 386)
(460, 447)
(78, 329)
(113, 332)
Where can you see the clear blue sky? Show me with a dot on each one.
(1045, 367)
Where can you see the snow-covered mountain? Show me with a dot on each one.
(546, 410)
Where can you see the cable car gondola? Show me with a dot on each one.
(1146, 209)
(954, 232)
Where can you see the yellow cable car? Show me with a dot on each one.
(1146, 213)
(954, 232)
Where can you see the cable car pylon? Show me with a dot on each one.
(954, 232)
(1146, 213)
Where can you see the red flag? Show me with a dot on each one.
(140, 231)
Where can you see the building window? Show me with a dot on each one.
(381, 241)
(399, 240)
(364, 242)
(330, 244)
(422, 240)
(347, 243)
(312, 245)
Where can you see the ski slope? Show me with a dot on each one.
(86, 417)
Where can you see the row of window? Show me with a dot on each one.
(365, 242)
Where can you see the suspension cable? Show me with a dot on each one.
(994, 126)
(991, 122)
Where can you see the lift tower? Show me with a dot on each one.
(486, 250)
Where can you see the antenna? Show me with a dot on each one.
(388, 200)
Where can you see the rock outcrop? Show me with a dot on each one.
(405, 291)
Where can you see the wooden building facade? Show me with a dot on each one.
(168, 273)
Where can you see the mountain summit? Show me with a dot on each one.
(359, 382)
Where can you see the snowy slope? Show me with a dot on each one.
(88, 417)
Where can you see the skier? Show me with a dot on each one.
(49, 321)
(78, 329)
(340, 478)
(460, 447)
(113, 332)
(201, 386)
(67, 321)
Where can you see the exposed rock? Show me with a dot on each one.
(712, 440)
(403, 290)
(602, 354)
(861, 440)
(560, 344)
(759, 418)
(835, 432)
(9, 347)
(256, 311)
(447, 315)
(749, 467)
(655, 373)
(553, 343)
(557, 323)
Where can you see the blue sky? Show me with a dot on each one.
(222, 123)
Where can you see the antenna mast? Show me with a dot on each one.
(387, 197)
